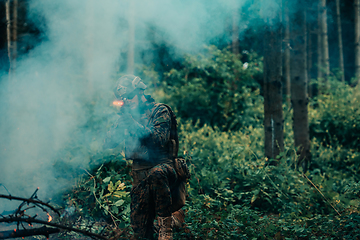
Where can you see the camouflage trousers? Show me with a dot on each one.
(150, 196)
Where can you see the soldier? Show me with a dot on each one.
(146, 127)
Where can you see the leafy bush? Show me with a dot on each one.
(335, 116)
(105, 193)
(231, 166)
(217, 89)
(234, 193)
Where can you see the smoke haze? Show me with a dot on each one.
(43, 104)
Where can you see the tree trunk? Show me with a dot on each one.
(273, 121)
(235, 39)
(309, 56)
(131, 48)
(14, 35)
(341, 52)
(89, 52)
(299, 98)
(235, 32)
(320, 66)
(325, 42)
(357, 40)
(8, 33)
(44, 231)
(287, 53)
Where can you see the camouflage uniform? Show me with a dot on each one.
(150, 197)
(147, 144)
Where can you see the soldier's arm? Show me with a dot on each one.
(115, 135)
(158, 131)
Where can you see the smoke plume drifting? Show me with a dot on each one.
(42, 103)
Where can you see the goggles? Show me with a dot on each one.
(119, 102)
(129, 95)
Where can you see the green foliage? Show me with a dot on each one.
(234, 163)
(105, 192)
(335, 117)
(217, 89)
(230, 175)
(234, 193)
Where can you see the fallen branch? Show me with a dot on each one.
(29, 200)
(33, 220)
(19, 218)
(321, 194)
(45, 231)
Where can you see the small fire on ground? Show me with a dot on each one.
(49, 217)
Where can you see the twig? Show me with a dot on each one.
(32, 220)
(28, 200)
(34, 194)
(321, 194)
(97, 200)
(5, 188)
(29, 232)
(270, 177)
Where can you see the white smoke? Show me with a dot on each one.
(42, 104)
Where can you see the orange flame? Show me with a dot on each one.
(15, 230)
(49, 217)
(118, 103)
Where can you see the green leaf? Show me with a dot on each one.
(254, 197)
(114, 209)
(119, 203)
(107, 179)
(111, 187)
(121, 225)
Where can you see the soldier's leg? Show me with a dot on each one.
(161, 177)
(142, 211)
(151, 195)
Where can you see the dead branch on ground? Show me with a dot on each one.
(19, 217)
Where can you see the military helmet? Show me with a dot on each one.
(127, 84)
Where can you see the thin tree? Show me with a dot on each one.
(273, 119)
(320, 66)
(325, 41)
(89, 52)
(287, 52)
(235, 32)
(341, 51)
(8, 33)
(15, 33)
(357, 40)
(235, 38)
(309, 29)
(299, 96)
(131, 47)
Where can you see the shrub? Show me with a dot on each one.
(335, 116)
(217, 89)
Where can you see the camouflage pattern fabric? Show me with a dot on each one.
(147, 138)
(151, 197)
(154, 141)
